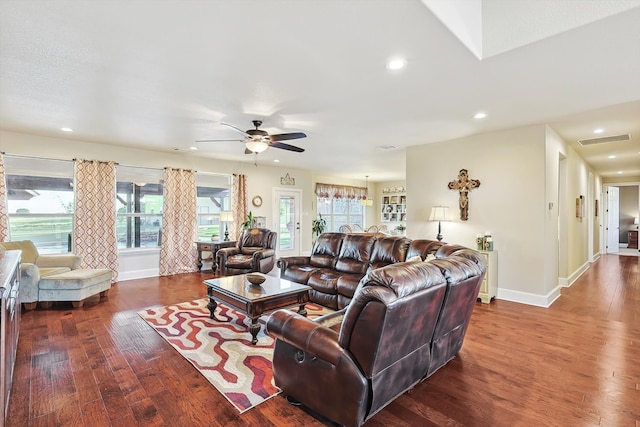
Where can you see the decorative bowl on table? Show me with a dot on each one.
(255, 279)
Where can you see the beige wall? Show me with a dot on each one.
(519, 171)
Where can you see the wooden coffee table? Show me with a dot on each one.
(255, 300)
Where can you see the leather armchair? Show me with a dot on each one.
(255, 252)
(35, 266)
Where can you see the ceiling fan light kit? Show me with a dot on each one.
(257, 140)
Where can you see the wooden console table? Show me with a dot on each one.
(212, 247)
(633, 239)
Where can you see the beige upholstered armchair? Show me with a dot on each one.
(255, 252)
(36, 266)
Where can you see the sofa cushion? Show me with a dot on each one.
(239, 261)
(347, 284)
(423, 247)
(322, 298)
(355, 253)
(326, 250)
(298, 273)
(76, 279)
(324, 280)
(52, 271)
(389, 250)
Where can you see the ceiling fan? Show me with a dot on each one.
(257, 140)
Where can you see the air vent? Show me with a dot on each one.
(604, 139)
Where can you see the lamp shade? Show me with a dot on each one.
(439, 213)
(635, 221)
(226, 216)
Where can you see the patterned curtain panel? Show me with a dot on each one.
(4, 219)
(238, 205)
(94, 225)
(178, 252)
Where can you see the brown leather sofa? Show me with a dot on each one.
(338, 261)
(255, 252)
(405, 321)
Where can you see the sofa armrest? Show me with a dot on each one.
(30, 270)
(225, 253)
(264, 253)
(70, 260)
(305, 334)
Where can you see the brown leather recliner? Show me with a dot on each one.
(255, 252)
(350, 364)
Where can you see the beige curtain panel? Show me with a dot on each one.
(4, 218)
(238, 205)
(94, 225)
(178, 252)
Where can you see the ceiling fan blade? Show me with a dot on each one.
(287, 136)
(219, 140)
(235, 128)
(287, 147)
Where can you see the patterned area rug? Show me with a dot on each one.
(222, 350)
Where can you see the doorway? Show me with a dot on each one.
(286, 218)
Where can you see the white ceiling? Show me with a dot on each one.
(161, 75)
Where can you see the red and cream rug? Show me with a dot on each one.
(222, 351)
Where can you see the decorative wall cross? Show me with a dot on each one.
(464, 184)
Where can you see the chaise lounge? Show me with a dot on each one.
(49, 278)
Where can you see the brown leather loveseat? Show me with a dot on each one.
(405, 321)
(338, 261)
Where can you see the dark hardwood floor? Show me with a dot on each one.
(576, 363)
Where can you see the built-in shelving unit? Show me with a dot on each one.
(394, 207)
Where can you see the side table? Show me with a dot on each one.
(212, 247)
(633, 239)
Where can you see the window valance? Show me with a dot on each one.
(334, 191)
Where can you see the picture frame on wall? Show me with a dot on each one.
(580, 207)
(260, 221)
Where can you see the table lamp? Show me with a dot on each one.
(439, 213)
(226, 217)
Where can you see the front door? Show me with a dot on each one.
(286, 214)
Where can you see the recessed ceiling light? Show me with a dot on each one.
(619, 172)
(66, 129)
(193, 148)
(598, 130)
(480, 115)
(396, 64)
(612, 156)
(276, 161)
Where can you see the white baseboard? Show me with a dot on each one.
(138, 274)
(529, 298)
(542, 300)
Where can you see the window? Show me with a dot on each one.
(40, 202)
(138, 207)
(213, 197)
(341, 211)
